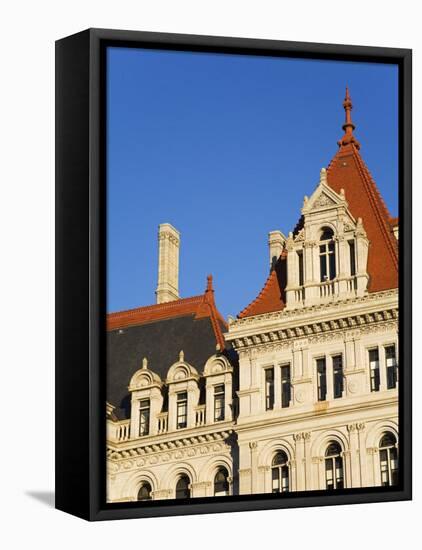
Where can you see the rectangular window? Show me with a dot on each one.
(332, 261)
(391, 363)
(219, 403)
(374, 369)
(321, 379)
(285, 386)
(182, 410)
(144, 414)
(352, 258)
(269, 389)
(300, 265)
(338, 376)
(323, 264)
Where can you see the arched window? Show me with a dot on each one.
(182, 487)
(144, 492)
(221, 483)
(334, 476)
(280, 473)
(327, 255)
(389, 463)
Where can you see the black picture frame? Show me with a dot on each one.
(80, 271)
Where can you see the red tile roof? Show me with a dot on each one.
(348, 171)
(200, 306)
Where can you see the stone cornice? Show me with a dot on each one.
(351, 405)
(366, 304)
(136, 448)
(316, 323)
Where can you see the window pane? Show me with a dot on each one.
(338, 376)
(374, 369)
(300, 265)
(182, 488)
(323, 268)
(269, 389)
(221, 484)
(219, 403)
(285, 386)
(144, 492)
(352, 258)
(390, 359)
(182, 410)
(388, 440)
(144, 415)
(332, 260)
(321, 379)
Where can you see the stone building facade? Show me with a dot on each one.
(300, 392)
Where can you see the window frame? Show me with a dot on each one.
(392, 456)
(269, 389)
(179, 404)
(338, 376)
(374, 373)
(333, 460)
(142, 422)
(319, 385)
(280, 470)
(391, 368)
(286, 385)
(327, 256)
(219, 397)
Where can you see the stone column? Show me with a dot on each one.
(308, 460)
(253, 446)
(354, 455)
(362, 454)
(264, 479)
(162, 494)
(201, 489)
(300, 461)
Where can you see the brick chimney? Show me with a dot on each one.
(168, 263)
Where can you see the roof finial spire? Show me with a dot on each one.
(348, 125)
(209, 283)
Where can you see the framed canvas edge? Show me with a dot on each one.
(93, 439)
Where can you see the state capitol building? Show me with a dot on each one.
(299, 392)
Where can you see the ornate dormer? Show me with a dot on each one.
(146, 401)
(182, 381)
(218, 374)
(327, 256)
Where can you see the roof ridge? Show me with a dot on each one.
(379, 204)
(264, 290)
(156, 307)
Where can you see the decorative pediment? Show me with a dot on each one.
(217, 364)
(181, 370)
(323, 197)
(144, 378)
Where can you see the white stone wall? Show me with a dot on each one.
(246, 444)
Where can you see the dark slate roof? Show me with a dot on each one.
(160, 342)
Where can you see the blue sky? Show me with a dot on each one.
(224, 147)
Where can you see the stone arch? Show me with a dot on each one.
(271, 448)
(217, 364)
(322, 440)
(376, 431)
(326, 225)
(182, 468)
(134, 482)
(181, 370)
(210, 468)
